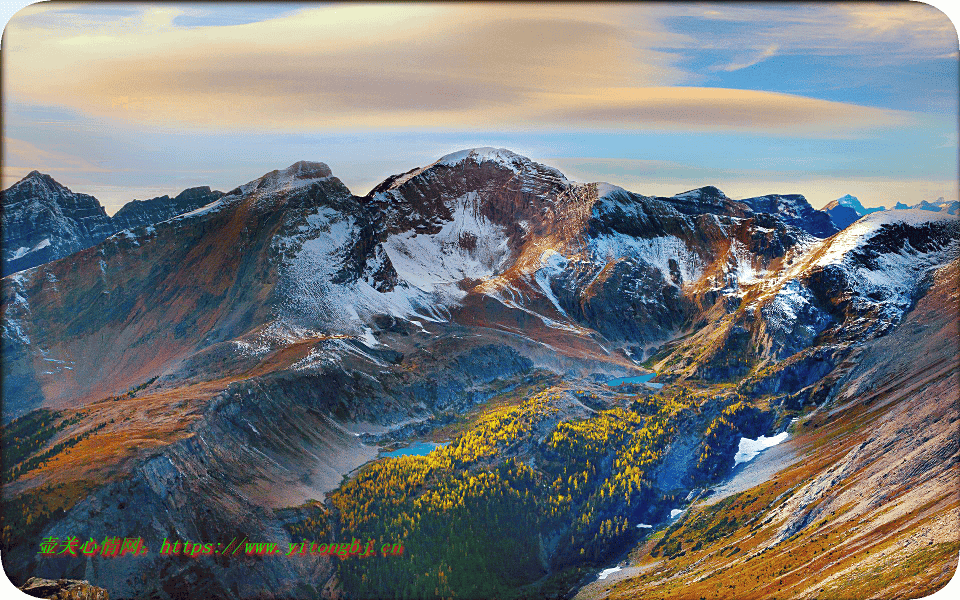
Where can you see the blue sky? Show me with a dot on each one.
(133, 101)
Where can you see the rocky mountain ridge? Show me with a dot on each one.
(44, 221)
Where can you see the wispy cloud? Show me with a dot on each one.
(763, 55)
(720, 109)
(21, 157)
(889, 32)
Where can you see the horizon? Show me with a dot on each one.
(174, 194)
(821, 100)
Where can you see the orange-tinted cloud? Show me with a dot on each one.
(396, 67)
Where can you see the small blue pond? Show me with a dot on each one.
(637, 379)
(414, 449)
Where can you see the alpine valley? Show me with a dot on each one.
(571, 379)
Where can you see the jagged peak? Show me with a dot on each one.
(39, 185)
(605, 190)
(853, 202)
(298, 174)
(305, 169)
(484, 154)
(707, 191)
(502, 157)
(37, 176)
(499, 156)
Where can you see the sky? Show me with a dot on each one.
(127, 100)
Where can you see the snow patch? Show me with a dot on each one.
(657, 252)
(749, 449)
(607, 572)
(468, 246)
(552, 264)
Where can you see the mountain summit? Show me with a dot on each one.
(43, 220)
(847, 209)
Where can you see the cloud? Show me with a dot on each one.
(21, 157)
(397, 67)
(887, 32)
(763, 55)
(326, 67)
(721, 109)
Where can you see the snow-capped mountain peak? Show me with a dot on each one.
(853, 202)
(701, 193)
(299, 174)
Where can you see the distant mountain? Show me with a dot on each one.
(795, 210)
(950, 208)
(137, 213)
(846, 210)
(45, 221)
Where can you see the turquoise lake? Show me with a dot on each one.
(637, 379)
(414, 449)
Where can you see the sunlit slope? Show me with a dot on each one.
(870, 508)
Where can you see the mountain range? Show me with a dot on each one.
(239, 369)
(43, 220)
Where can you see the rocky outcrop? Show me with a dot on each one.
(63, 589)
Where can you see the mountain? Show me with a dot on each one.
(44, 221)
(794, 210)
(236, 371)
(846, 210)
(139, 213)
(844, 507)
(951, 208)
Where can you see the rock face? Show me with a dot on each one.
(482, 237)
(44, 221)
(890, 419)
(63, 589)
(137, 213)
